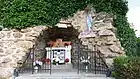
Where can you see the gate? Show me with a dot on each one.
(88, 61)
(83, 61)
(30, 66)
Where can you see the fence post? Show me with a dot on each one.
(32, 56)
(50, 59)
(78, 57)
(95, 58)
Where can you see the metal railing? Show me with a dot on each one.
(29, 65)
(91, 62)
(25, 67)
(85, 61)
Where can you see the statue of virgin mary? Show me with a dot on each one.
(89, 23)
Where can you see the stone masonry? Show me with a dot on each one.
(103, 34)
(14, 45)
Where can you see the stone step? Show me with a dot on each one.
(61, 75)
(64, 77)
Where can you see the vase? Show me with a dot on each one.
(86, 68)
(67, 63)
(57, 64)
(48, 62)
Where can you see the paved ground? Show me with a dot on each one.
(61, 75)
(62, 72)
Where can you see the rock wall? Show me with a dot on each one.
(103, 34)
(15, 44)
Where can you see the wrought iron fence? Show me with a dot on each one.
(26, 66)
(87, 60)
(30, 65)
(83, 60)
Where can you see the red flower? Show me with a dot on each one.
(48, 60)
(43, 60)
(71, 43)
(66, 44)
(66, 60)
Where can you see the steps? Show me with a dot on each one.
(63, 75)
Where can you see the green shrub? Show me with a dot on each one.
(127, 68)
(126, 35)
(138, 45)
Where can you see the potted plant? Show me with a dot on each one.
(66, 44)
(86, 63)
(70, 43)
(54, 62)
(66, 60)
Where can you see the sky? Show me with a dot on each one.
(134, 15)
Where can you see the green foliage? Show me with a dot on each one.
(54, 62)
(127, 68)
(138, 45)
(24, 13)
(126, 35)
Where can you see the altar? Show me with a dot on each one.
(62, 54)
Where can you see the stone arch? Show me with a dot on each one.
(50, 35)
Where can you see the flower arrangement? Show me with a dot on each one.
(48, 60)
(70, 43)
(66, 44)
(38, 63)
(54, 62)
(85, 61)
(43, 60)
(66, 60)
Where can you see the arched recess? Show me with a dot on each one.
(51, 35)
